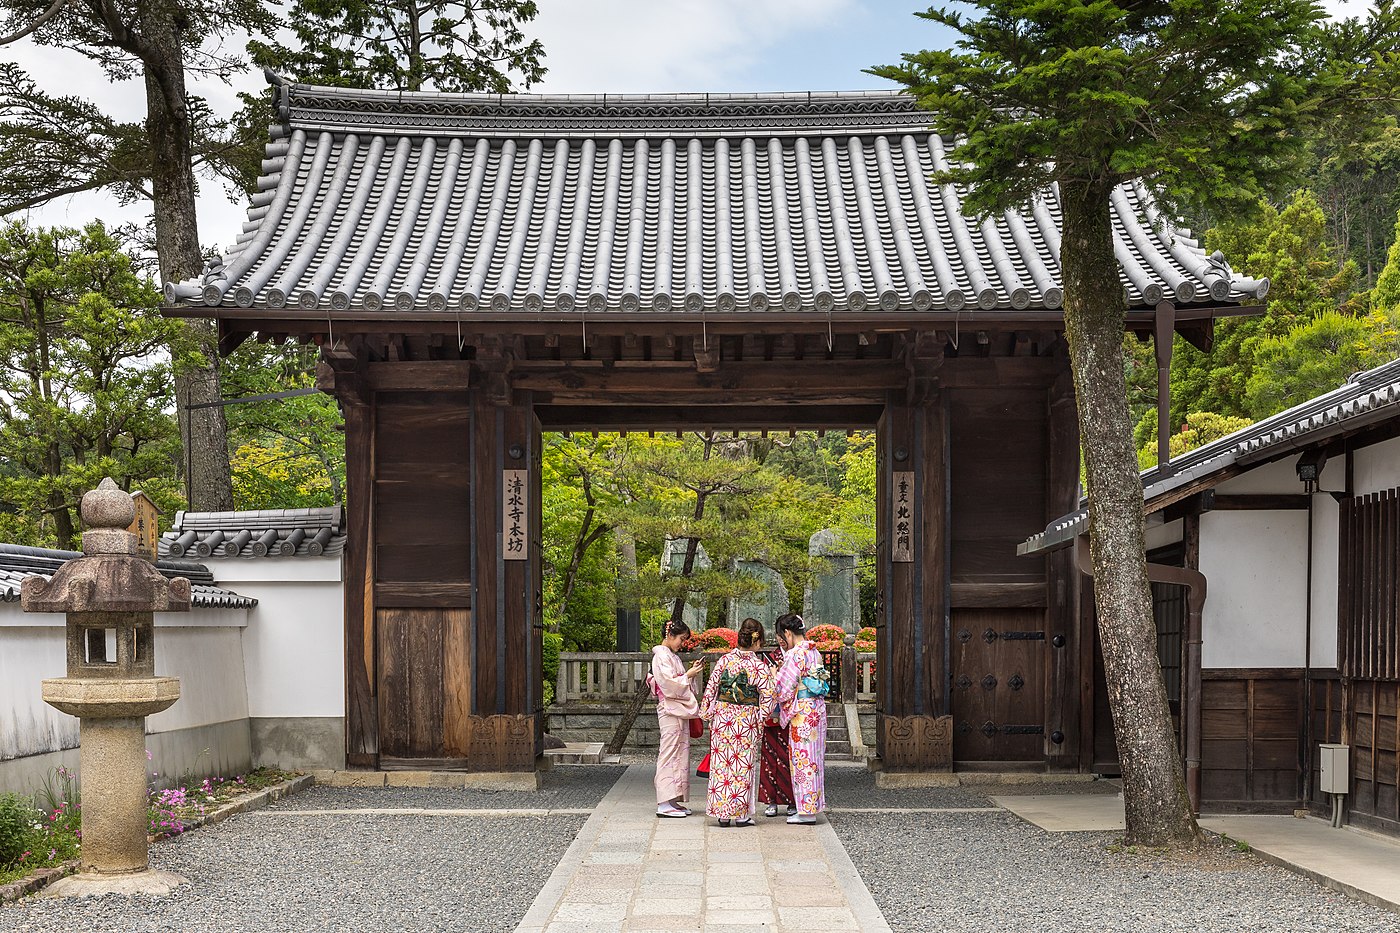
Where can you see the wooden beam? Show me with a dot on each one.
(430, 376)
(1282, 502)
(767, 382)
(998, 595)
(604, 417)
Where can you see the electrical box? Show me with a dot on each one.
(1334, 771)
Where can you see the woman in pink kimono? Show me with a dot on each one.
(800, 690)
(737, 699)
(672, 683)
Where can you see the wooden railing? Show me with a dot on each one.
(615, 676)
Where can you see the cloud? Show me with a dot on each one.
(635, 46)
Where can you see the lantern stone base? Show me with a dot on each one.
(111, 697)
(94, 884)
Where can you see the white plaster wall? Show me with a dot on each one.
(204, 650)
(1324, 575)
(294, 648)
(1281, 476)
(1376, 468)
(1256, 565)
(233, 571)
(1164, 534)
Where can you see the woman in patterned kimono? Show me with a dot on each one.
(800, 690)
(737, 699)
(672, 683)
(775, 769)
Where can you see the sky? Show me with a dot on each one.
(604, 46)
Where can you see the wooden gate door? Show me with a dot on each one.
(998, 684)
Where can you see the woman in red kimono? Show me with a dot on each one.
(775, 768)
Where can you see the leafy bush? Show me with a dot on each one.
(18, 819)
(866, 634)
(717, 639)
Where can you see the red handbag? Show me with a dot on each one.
(697, 728)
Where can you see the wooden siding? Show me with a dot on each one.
(1369, 588)
(1251, 720)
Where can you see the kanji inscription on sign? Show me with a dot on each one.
(515, 514)
(902, 518)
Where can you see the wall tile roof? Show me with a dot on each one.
(310, 532)
(687, 203)
(1368, 396)
(18, 561)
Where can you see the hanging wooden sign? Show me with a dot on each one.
(515, 514)
(902, 518)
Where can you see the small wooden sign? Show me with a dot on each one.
(515, 514)
(146, 525)
(902, 518)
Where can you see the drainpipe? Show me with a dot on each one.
(1195, 583)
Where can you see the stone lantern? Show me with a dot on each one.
(110, 595)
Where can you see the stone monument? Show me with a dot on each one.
(765, 605)
(831, 596)
(673, 562)
(110, 595)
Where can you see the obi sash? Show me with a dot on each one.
(736, 689)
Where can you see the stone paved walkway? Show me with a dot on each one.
(629, 871)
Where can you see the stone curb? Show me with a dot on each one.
(1323, 880)
(254, 801)
(518, 781)
(36, 881)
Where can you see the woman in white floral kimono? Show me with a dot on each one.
(737, 700)
(800, 690)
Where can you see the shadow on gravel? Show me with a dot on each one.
(569, 787)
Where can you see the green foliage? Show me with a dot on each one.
(763, 498)
(1199, 428)
(1385, 296)
(18, 821)
(289, 452)
(474, 45)
(85, 388)
(1319, 356)
(1203, 100)
(54, 144)
(553, 643)
(1290, 248)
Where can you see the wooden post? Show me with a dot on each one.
(361, 711)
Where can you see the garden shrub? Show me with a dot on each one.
(18, 818)
(717, 639)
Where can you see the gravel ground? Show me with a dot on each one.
(268, 871)
(275, 870)
(855, 787)
(567, 787)
(994, 872)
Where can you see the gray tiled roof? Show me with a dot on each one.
(311, 532)
(1366, 397)
(684, 203)
(19, 561)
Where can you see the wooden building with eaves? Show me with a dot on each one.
(478, 269)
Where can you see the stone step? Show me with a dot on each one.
(576, 753)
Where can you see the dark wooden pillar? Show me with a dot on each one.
(505, 724)
(914, 731)
(1063, 725)
(361, 711)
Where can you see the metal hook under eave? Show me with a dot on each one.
(461, 341)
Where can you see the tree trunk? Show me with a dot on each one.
(1154, 790)
(203, 431)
